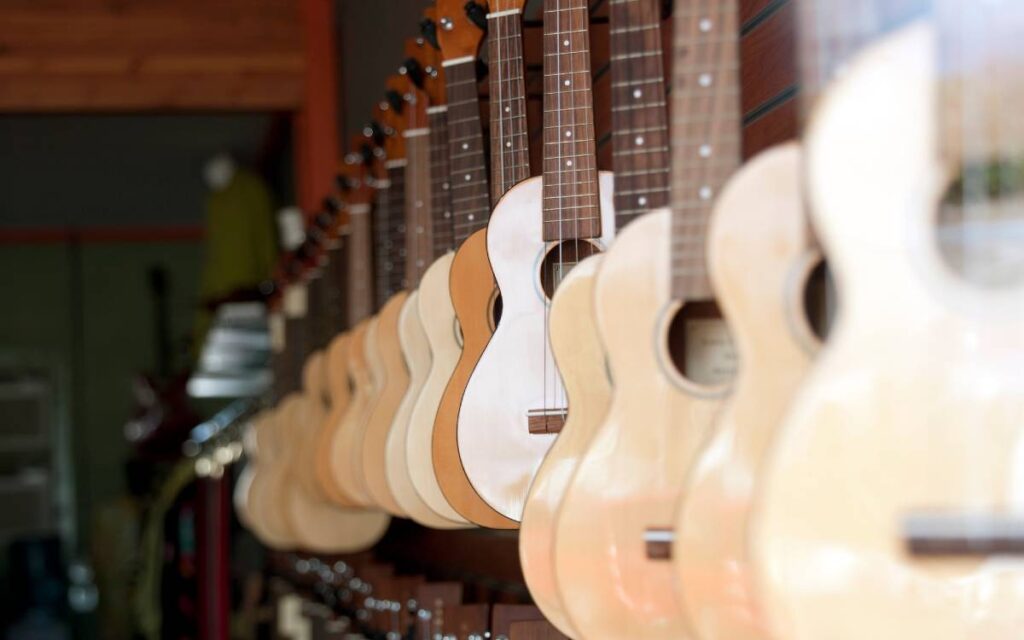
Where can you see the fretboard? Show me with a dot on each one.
(471, 202)
(389, 227)
(640, 132)
(440, 187)
(706, 132)
(510, 151)
(571, 205)
(360, 294)
(418, 247)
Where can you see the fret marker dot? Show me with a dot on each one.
(470, 216)
(642, 201)
(565, 42)
(637, 93)
(419, 229)
(419, 263)
(509, 144)
(705, 25)
(508, 109)
(705, 80)
(465, 145)
(568, 163)
(639, 140)
(447, 214)
(567, 83)
(468, 177)
(444, 185)
(705, 193)
(568, 134)
(705, 151)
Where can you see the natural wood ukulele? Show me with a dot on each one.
(891, 502)
(640, 158)
(669, 355)
(426, 141)
(467, 296)
(514, 402)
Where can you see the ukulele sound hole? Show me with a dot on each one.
(819, 300)
(560, 259)
(496, 306)
(700, 346)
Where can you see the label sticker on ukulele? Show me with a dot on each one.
(710, 354)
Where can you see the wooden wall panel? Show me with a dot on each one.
(96, 55)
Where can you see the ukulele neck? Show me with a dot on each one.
(572, 208)
(706, 133)
(468, 167)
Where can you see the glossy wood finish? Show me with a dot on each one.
(473, 291)
(346, 455)
(387, 365)
(574, 339)
(919, 386)
(760, 257)
(630, 477)
(499, 454)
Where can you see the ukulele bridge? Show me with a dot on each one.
(966, 534)
(658, 543)
(546, 420)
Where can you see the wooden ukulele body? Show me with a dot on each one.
(392, 381)
(759, 260)
(472, 293)
(578, 351)
(340, 392)
(630, 477)
(433, 312)
(346, 453)
(914, 405)
(516, 375)
(418, 359)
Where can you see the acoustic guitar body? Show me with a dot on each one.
(472, 297)
(433, 315)
(516, 374)
(760, 261)
(578, 351)
(268, 492)
(630, 477)
(340, 394)
(346, 452)
(916, 403)
(414, 345)
(392, 381)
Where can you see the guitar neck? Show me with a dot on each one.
(360, 294)
(440, 185)
(389, 227)
(640, 132)
(418, 232)
(706, 133)
(510, 146)
(471, 201)
(571, 205)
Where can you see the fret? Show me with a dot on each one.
(637, 80)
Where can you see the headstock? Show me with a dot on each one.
(417, 99)
(458, 34)
(355, 168)
(429, 60)
(393, 107)
(497, 6)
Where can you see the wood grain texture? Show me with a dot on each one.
(630, 477)
(760, 258)
(919, 386)
(472, 295)
(91, 55)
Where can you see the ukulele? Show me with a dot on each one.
(669, 355)
(514, 402)
(319, 524)
(429, 215)
(349, 367)
(890, 504)
(466, 296)
(366, 364)
(640, 157)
